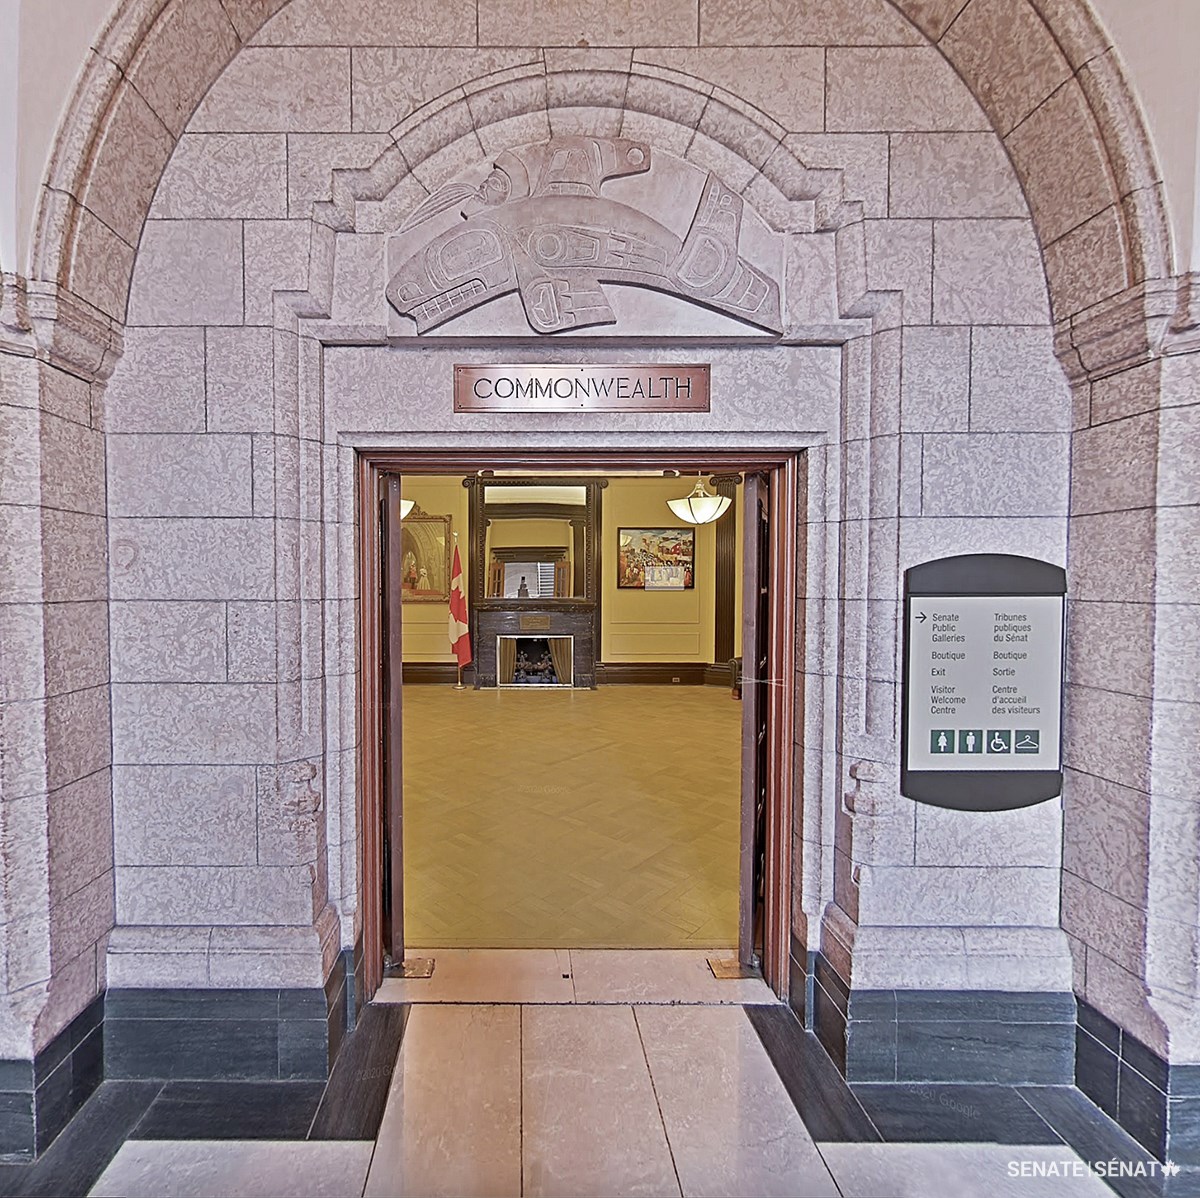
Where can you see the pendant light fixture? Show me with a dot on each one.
(700, 507)
(406, 506)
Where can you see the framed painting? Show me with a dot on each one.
(656, 559)
(425, 558)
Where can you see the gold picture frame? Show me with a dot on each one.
(425, 557)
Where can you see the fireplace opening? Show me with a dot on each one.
(541, 661)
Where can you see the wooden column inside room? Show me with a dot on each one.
(379, 740)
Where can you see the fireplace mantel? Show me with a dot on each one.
(533, 617)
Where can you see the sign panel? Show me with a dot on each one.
(982, 697)
(984, 682)
(634, 388)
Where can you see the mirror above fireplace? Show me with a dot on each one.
(534, 567)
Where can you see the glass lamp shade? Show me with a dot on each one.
(700, 507)
(406, 506)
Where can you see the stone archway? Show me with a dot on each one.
(1104, 243)
(1042, 71)
(327, 292)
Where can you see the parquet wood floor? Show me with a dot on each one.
(580, 819)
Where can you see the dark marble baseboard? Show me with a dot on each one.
(356, 1094)
(801, 963)
(358, 976)
(985, 1037)
(906, 1112)
(258, 1110)
(217, 1034)
(1158, 1104)
(827, 1106)
(829, 1000)
(339, 998)
(230, 1035)
(39, 1097)
(181, 1035)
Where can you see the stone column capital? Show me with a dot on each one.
(1155, 318)
(46, 321)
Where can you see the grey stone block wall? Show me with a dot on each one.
(937, 247)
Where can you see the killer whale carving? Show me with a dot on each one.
(539, 225)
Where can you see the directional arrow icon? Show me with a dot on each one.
(921, 617)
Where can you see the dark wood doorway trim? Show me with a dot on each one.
(393, 725)
(782, 697)
(785, 718)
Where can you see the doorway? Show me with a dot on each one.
(763, 721)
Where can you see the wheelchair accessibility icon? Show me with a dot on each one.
(999, 741)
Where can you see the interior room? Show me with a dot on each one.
(583, 787)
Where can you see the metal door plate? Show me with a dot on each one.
(726, 969)
(411, 967)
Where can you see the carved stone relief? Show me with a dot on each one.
(538, 224)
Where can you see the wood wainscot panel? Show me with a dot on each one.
(720, 673)
(436, 671)
(652, 673)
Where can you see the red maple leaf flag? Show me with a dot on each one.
(460, 637)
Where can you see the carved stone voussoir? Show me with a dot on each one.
(538, 224)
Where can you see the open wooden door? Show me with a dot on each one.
(391, 832)
(756, 669)
(769, 619)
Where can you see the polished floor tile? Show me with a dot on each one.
(483, 975)
(606, 818)
(661, 976)
(963, 1170)
(452, 1125)
(730, 1123)
(233, 1169)
(590, 1120)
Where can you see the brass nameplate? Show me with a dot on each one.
(664, 388)
(534, 623)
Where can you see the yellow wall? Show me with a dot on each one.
(635, 625)
(424, 634)
(654, 625)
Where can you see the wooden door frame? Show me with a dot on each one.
(392, 738)
(754, 711)
(782, 696)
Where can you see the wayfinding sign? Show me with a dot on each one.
(983, 663)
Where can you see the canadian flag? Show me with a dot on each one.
(460, 637)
